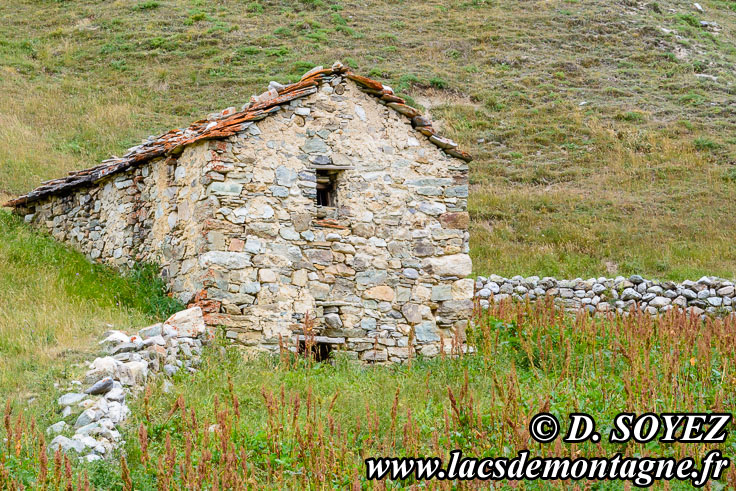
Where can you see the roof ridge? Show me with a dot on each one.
(229, 122)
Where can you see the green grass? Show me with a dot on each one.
(592, 109)
(54, 304)
(295, 424)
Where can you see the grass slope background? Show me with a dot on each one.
(603, 131)
(602, 144)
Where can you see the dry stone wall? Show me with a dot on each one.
(93, 408)
(146, 214)
(707, 296)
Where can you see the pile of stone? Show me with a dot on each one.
(707, 296)
(129, 362)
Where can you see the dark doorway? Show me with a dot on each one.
(320, 351)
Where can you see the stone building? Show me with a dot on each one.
(327, 203)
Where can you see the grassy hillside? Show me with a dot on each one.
(54, 305)
(603, 131)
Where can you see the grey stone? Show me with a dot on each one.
(115, 394)
(88, 416)
(88, 429)
(225, 188)
(432, 208)
(726, 291)
(123, 348)
(660, 302)
(285, 176)
(56, 428)
(647, 297)
(333, 321)
(279, 191)
(630, 294)
(225, 259)
(315, 145)
(412, 313)
(133, 373)
(252, 245)
(66, 445)
(689, 294)
(441, 293)
(636, 279)
(427, 332)
(150, 331)
(71, 398)
(100, 387)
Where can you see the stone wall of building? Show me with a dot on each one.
(708, 295)
(390, 258)
(146, 214)
(235, 226)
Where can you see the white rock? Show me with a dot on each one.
(113, 339)
(226, 259)
(659, 302)
(133, 373)
(116, 394)
(101, 368)
(187, 323)
(158, 339)
(118, 412)
(451, 265)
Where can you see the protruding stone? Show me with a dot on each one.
(459, 265)
(187, 323)
(88, 416)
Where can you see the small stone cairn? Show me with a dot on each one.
(708, 296)
(128, 363)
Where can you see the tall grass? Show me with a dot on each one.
(289, 422)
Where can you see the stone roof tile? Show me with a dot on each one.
(228, 123)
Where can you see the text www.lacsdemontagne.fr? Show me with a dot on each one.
(640, 471)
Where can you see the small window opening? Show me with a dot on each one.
(326, 188)
(319, 351)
